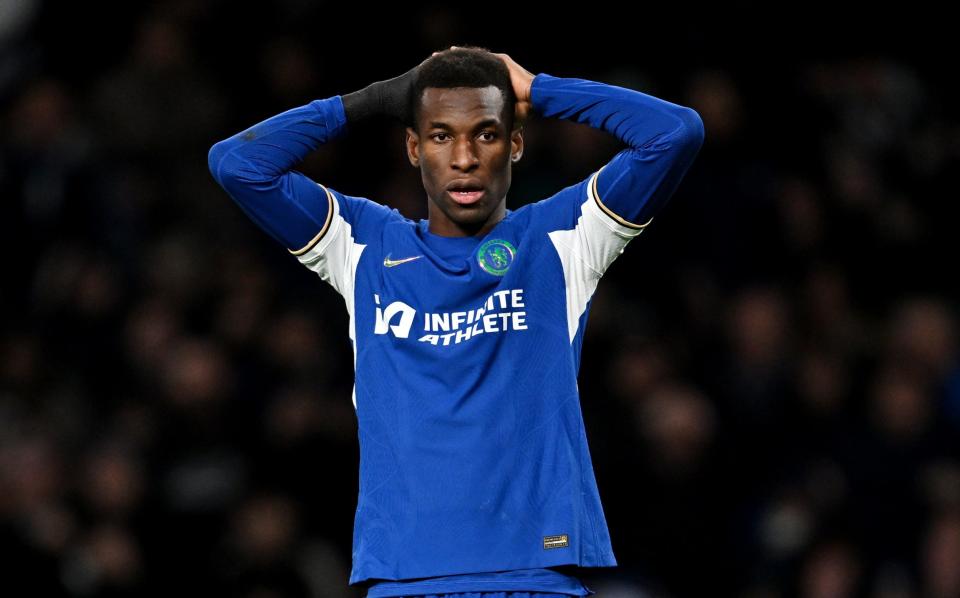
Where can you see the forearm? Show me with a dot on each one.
(277, 144)
(255, 167)
(663, 139)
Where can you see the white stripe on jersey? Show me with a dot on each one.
(587, 251)
(338, 247)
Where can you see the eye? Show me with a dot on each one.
(437, 135)
(490, 133)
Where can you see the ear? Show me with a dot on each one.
(516, 144)
(413, 147)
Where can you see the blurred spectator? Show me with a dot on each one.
(770, 379)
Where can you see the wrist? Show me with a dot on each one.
(390, 98)
(527, 89)
(363, 103)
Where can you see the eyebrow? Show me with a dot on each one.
(483, 123)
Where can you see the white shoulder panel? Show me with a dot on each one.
(334, 256)
(587, 250)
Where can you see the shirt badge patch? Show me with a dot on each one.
(555, 541)
(495, 256)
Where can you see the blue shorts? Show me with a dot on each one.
(492, 595)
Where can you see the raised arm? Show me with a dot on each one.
(255, 166)
(664, 138)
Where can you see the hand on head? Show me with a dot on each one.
(522, 80)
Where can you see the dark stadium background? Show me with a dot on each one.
(770, 378)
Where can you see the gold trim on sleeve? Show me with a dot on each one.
(326, 225)
(608, 212)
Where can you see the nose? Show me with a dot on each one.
(463, 156)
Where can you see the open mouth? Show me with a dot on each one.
(466, 196)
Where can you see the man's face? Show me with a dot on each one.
(463, 141)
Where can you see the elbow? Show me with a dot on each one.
(686, 140)
(229, 166)
(686, 136)
(215, 159)
(691, 132)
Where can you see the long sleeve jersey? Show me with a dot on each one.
(475, 472)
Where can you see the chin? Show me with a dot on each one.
(478, 210)
(472, 218)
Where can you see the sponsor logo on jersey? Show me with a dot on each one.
(502, 311)
(389, 263)
(384, 316)
(495, 256)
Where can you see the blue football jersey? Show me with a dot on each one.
(473, 455)
(475, 471)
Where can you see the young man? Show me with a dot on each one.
(475, 474)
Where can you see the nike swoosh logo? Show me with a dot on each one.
(389, 263)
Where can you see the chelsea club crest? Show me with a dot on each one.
(495, 256)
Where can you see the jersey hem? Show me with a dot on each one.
(447, 587)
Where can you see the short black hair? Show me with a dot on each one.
(463, 66)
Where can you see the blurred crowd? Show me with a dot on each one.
(770, 377)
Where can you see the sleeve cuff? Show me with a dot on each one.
(334, 116)
(536, 97)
